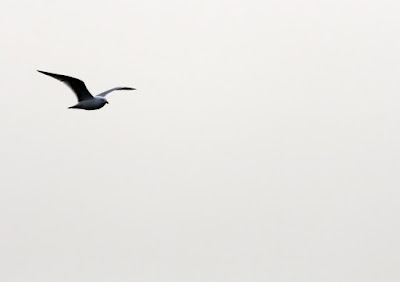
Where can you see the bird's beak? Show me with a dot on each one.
(106, 102)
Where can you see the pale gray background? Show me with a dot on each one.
(262, 143)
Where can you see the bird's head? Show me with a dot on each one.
(103, 99)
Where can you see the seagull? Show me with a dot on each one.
(85, 100)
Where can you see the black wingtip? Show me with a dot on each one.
(43, 72)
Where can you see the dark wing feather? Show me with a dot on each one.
(78, 86)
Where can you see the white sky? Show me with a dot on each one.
(262, 143)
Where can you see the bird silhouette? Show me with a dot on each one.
(86, 101)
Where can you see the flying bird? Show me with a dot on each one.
(86, 101)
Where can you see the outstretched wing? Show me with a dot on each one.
(103, 94)
(78, 86)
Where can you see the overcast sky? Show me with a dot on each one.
(262, 143)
